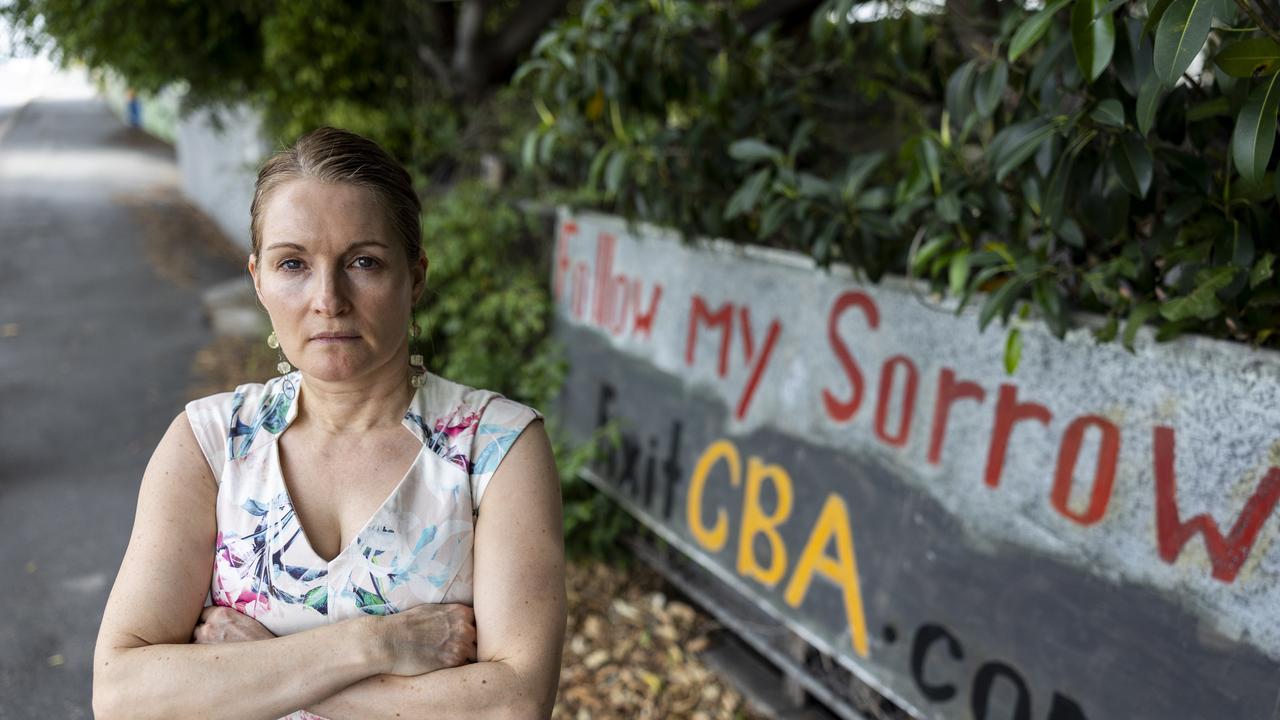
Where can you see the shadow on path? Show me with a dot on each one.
(102, 264)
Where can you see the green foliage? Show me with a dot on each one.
(677, 116)
(486, 323)
(349, 64)
(1074, 158)
(362, 66)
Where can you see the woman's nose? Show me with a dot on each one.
(330, 296)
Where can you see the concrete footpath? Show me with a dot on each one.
(102, 265)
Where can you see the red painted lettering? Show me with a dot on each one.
(1008, 412)
(899, 438)
(722, 318)
(562, 256)
(949, 391)
(1226, 555)
(842, 410)
(1104, 475)
(580, 289)
(602, 307)
(644, 321)
(775, 328)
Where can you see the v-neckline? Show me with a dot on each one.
(415, 405)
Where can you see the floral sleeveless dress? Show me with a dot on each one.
(415, 549)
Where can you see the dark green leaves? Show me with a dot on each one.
(1013, 145)
(1133, 165)
(752, 150)
(959, 97)
(1030, 32)
(1250, 58)
(1109, 112)
(1012, 350)
(1255, 133)
(1093, 36)
(989, 88)
(1262, 270)
(1154, 14)
(1138, 317)
(1000, 302)
(744, 200)
(1203, 301)
(1063, 169)
(1181, 33)
(1149, 96)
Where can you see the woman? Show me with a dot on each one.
(352, 573)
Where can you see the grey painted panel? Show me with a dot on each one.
(1016, 604)
(219, 166)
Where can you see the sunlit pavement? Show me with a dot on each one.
(100, 317)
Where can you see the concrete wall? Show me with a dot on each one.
(159, 111)
(219, 166)
(1088, 537)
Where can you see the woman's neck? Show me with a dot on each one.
(376, 401)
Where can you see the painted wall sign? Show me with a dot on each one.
(1091, 537)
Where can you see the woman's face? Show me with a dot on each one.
(335, 280)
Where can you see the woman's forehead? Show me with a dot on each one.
(320, 216)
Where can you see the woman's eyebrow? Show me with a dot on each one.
(353, 246)
(273, 246)
(366, 242)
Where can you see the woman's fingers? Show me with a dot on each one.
(222, 624)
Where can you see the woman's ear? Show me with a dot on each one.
(419, 271)
(253, 273)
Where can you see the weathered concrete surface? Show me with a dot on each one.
(1092, 533)
(218, 157)
(101, 270)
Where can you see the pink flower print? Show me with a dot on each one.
(454, 429)
(242, 603)
(259, 601)
(224, 552)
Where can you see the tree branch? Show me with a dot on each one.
(519, 33)
(771, 11)
(466, 33)
(423, 23)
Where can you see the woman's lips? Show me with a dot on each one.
(336, 339)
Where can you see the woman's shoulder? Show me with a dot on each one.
(462, 422)
(242, 412)
(472, 427)
(448, 398)
(246, 398)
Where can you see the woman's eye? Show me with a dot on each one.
(365, 262)
(290, 264)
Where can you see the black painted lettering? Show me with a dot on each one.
(980, 695)
(926, 636)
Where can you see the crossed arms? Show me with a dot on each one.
(145, 666)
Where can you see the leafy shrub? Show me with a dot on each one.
(1065, 159)
(486, 322)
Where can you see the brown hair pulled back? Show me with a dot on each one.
(335, 155)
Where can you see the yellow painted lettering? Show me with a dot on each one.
(833, 523)
(712, 539)
(756, 522)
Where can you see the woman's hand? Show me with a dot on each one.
(419, 640)
(428, 637)
(219, 624)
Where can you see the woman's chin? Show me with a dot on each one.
(334, 369)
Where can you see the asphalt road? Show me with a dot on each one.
(101, 269)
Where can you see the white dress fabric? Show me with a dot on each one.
(417, 547)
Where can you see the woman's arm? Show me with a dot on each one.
(519, 596)
(144, 665)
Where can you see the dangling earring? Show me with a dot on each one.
(274, 343)
(419, 370)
